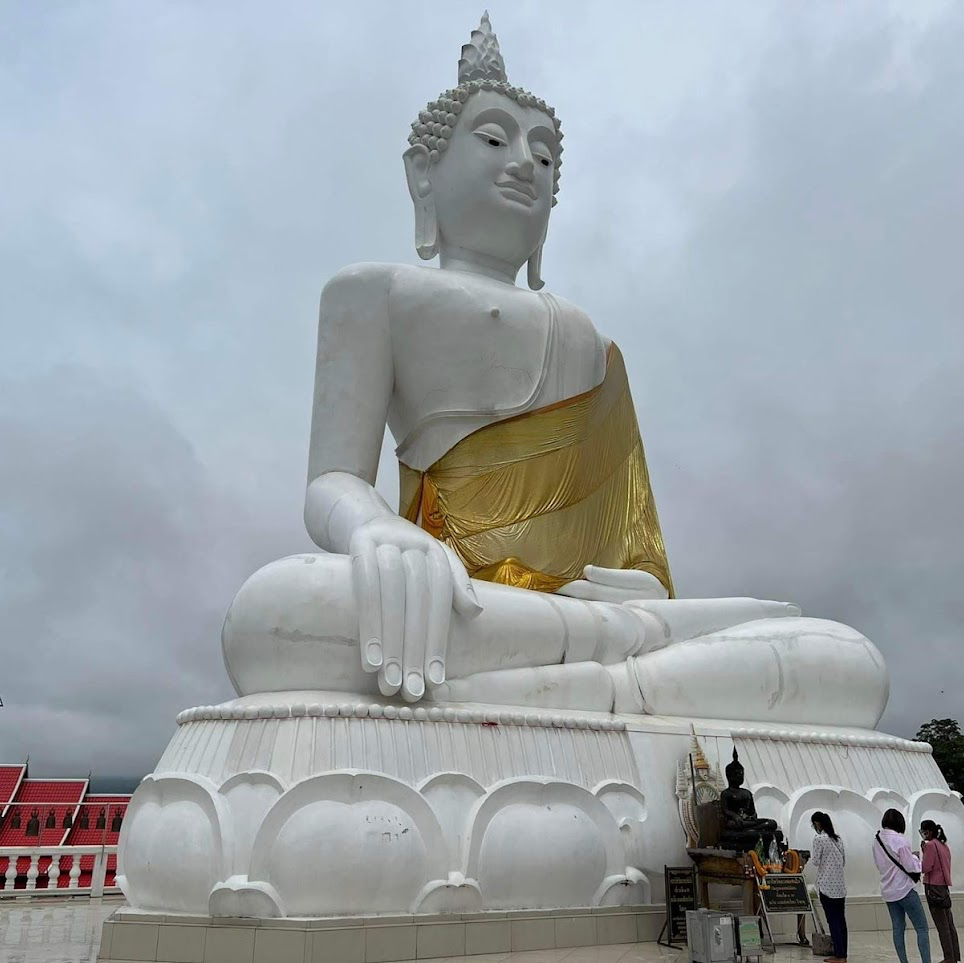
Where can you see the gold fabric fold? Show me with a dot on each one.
(531, 500)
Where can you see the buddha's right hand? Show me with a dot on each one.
(406, 583)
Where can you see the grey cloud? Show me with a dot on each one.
(109, 602)
(818, 422)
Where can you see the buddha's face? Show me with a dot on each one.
(492, 187)
(734, 776)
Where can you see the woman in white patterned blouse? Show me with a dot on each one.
(828, 858)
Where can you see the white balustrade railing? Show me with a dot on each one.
(15, 856)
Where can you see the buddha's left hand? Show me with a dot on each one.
(614, 585)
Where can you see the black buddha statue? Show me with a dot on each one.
(742, 828)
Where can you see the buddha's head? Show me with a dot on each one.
(483, 165)
(734, 772)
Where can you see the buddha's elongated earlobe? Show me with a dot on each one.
(417, 163)
(534, 268)
(426, 228)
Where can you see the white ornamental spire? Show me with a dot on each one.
(481, 58)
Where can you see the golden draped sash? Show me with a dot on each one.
(531, 500)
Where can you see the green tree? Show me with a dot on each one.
(947, 740)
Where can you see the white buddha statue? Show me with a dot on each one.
(526, 564)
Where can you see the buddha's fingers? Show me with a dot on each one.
(391, 574)
(416, 625)
(366, 583)
(644, 585)
(464, 599)
(440, 583)
(594, 592)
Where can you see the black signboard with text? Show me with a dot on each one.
(680, 882)
(785, 893)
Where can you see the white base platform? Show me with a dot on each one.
(131, 937)
(305, 808)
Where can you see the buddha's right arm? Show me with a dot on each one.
(353, 386)
(405, 582)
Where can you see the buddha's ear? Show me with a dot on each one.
(417, 163)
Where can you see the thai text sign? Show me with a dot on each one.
(680, 896)
(785, 893)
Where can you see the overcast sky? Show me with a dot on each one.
(762, 203)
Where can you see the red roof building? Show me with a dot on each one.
(10, 779)
(41, 813)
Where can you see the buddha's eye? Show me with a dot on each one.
(492, 135)
(541, 154)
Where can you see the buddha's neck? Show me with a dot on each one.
(453, 258)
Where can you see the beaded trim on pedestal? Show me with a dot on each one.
(404, 713)
(830, 739)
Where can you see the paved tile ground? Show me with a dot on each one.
(52, 930)
(68, 931)
(864, 948)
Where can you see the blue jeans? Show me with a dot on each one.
(899, 910)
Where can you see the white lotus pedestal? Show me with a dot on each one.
(291, 827)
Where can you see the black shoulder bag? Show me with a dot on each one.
(938, 897)
(914, 876)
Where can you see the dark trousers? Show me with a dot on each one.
(944, 921)
(833, 909)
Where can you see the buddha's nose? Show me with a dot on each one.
(522, 167)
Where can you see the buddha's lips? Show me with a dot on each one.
(518, 187)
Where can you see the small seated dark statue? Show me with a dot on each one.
(742, 828)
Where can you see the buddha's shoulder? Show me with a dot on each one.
(571, 311)
(579, 320)
(366, 276)
(361, 292)
(389, 284)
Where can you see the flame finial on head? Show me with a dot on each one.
(481, 58)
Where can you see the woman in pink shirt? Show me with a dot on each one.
(900, 872)
(936, 862)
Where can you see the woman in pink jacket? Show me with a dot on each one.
(936, 863)
(900, 872)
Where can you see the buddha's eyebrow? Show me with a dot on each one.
(495, 115)
(546, 136)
